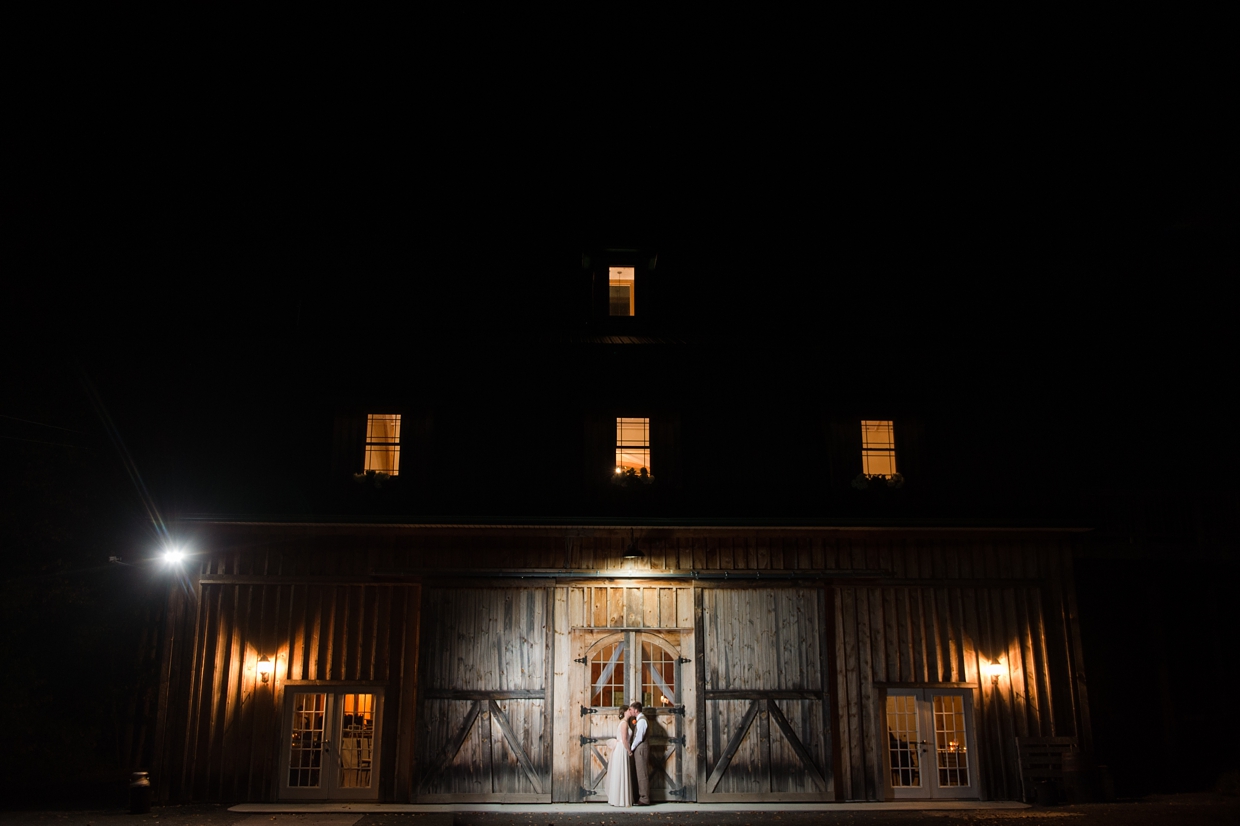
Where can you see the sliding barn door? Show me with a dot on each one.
(764, 708)
(484, 727)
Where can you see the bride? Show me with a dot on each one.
(619, 787)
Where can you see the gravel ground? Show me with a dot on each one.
(1162, 810)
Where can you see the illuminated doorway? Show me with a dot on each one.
(930, 750)
(330, 749)
(616, 669)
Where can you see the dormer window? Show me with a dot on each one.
(620, 283)
(633, 445)
(383, 443)
(878, 448)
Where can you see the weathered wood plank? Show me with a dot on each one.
(518, 748)
(905, 637)
(852, 695)
(667, 616)
(700, 636)
(729, 751)
(562, 787)
(1042, 651)
(762, 694)
(453, 746)
(891, 634)
(807, 761)
(868, 713)
(476, 694)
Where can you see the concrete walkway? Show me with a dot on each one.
(658, 808)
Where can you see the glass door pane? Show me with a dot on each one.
(658, 676)
(950, 742)
(903, 734)
(307, 741)
(357, 740)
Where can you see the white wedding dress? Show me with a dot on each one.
(619, 786)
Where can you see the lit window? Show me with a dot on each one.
(633, 445)
(620, 290)
(383, 443)
(878, 448)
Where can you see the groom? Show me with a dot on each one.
(639, 747)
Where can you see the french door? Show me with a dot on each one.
(931, 751)
(331, 743)
(617, 668)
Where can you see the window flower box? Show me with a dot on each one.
(878, 482)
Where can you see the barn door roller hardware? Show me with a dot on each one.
(586, 710)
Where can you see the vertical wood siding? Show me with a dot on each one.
(221, 728)
(629, 606)
(937, 636)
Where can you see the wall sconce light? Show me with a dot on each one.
(993, 670)
(632, 552)
(264, 668)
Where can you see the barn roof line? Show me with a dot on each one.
(787, 525)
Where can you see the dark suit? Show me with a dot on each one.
(641, 760)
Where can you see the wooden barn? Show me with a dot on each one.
(818, 596)
(485, 663)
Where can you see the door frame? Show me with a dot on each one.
(329, 788)
(672, 640)
(929, 758)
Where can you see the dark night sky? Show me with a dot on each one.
(1058, 220)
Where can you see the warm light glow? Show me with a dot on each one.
(383, 443)
(174, 555)
(633, 444)
(264, 668)
(878, 448)
(993, 670)
(620, 288)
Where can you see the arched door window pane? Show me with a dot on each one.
(658, 677)
(607, 676)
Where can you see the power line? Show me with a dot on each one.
(41, 424)
(38, 442)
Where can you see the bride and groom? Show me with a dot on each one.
(630, 744)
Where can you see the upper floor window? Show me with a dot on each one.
(620, 283)
(878, 448)
(383, 443)
(633, 445)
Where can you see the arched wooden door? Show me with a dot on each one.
(614, 669)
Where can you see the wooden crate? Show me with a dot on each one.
(1042, 759)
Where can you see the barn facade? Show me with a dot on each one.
(485, 663)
